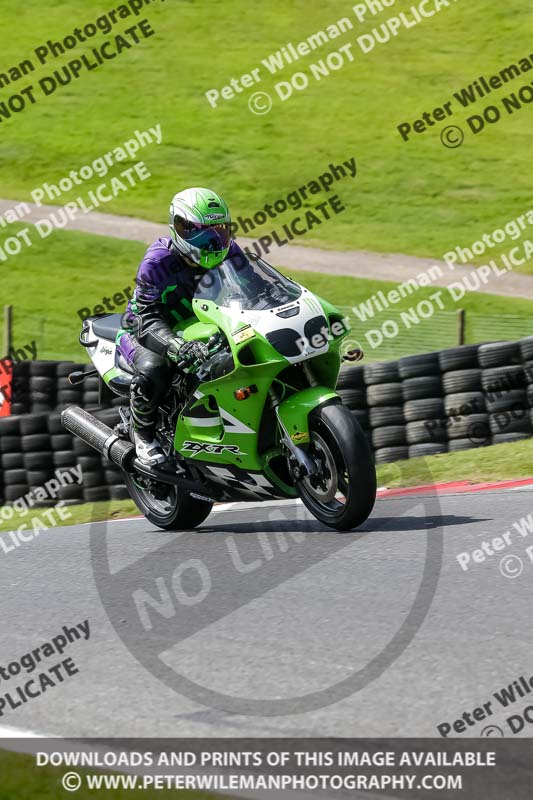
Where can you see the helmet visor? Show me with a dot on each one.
(205, 237)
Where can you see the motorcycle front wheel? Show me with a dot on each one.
(343, 491)
(178, 511)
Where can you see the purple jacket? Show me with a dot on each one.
(165, 288)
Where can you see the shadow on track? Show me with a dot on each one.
(373, 525)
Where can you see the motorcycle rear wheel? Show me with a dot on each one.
(343, 493)
(177, 512)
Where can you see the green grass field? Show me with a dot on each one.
(70, 270)
(22, 780)
(416, 197)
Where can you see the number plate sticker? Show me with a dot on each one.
(243, 334)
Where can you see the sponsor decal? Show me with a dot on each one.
(243, 334)
(300, 436)
(212, 449)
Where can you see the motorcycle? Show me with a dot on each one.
(259, 420)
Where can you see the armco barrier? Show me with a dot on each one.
(420, 405)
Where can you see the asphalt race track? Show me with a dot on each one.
(264, 605)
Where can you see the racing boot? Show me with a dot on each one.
(148, 449)
(143, 417)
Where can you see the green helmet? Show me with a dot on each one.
(200, 226)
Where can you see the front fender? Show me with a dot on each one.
(294, 412)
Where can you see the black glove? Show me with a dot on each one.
(178, 350)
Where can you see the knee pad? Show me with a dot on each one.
(141, 388)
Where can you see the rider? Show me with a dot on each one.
(200, 239)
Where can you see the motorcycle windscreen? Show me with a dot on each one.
(247, 283)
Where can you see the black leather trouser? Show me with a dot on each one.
(149, 385)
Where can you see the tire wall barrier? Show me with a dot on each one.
(427, 404)
(34, 444)
(440, 402)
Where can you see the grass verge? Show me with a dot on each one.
(22, 779)
(89, 512)
(495, 463)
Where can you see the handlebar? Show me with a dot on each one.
(215, 343)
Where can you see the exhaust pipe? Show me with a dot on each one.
(100, 436)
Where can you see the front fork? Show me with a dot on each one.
(300, 464)
(292, 416)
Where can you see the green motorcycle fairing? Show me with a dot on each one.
(226, 437)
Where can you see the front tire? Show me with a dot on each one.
(176, 512)
(343, 493)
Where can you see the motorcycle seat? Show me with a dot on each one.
(107, 326)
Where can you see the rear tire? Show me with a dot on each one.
(339, 442)
(178, 512)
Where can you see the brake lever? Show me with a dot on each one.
(218, 342)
